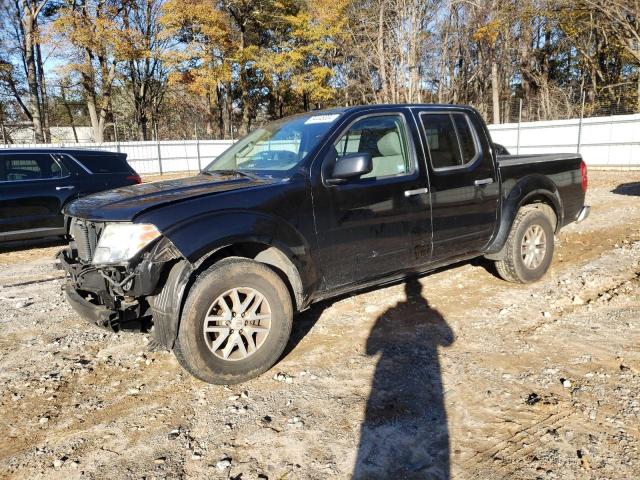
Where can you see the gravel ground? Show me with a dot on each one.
(457, 375)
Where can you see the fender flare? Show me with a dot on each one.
(198, 253)
(532, 187)
(199, 237)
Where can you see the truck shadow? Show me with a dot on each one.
(21, 245)
(632, 189)
(405, 432)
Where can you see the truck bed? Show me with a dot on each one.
(508, 160)
(562, 169)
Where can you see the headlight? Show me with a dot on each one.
(120, 242)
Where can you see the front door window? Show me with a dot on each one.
(384, 138)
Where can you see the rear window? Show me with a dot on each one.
(105, 163)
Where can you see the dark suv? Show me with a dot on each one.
(35, 184)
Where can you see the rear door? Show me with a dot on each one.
(463, 180)
(375, 225)
(33, 188)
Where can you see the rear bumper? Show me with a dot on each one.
(583, 213)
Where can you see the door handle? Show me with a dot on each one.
(417, 191)
(484, 181)
(68, 187)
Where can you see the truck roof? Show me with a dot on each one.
(71, 151)
(384, 106)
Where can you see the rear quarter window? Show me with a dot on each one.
(105, 164)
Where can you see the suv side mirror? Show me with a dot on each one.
(351, 166)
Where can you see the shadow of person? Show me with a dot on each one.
(405, 434)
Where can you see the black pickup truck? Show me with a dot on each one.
(306, 208)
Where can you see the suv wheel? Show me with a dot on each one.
(236, 322)
(529, 247)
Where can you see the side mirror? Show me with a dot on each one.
(351, 166)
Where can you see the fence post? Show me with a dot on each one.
(115, 132)
(159, 156)
(198, 147)
(519, 122)
(580, 123)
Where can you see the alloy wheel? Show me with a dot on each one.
(237, 323)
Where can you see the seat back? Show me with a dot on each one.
(391, 161)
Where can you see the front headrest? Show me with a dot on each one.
(389, 144)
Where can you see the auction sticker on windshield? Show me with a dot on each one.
(321, 119)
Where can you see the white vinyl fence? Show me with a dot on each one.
(155, 157)
(603, 142)
(612, 142)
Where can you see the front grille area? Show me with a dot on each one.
(86, 235)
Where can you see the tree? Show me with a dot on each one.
(20, 41)
(144, 71)
(4, 134)
(94, 31)
(300, 61)
(623, 26)
(201, 61)
(64, 88)
(238, 63)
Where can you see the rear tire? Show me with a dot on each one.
(236, 322)
(529, 248)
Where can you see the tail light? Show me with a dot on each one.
(136, 178)
(583, 174)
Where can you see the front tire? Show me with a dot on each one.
(236, 322)
(529, 248)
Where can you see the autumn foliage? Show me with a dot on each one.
(216, 68)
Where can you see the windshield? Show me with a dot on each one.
(277, 148)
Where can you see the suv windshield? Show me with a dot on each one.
(277, 148)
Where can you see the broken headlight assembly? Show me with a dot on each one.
(120, 242)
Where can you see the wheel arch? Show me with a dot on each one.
(285, 252)
(537, 191)
(260, 250)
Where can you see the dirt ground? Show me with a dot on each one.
(456, 375)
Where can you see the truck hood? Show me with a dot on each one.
(125, 203)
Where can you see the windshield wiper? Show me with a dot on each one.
(237, 173)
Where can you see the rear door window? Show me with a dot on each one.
(451, 139)
(105, 163)
(30, 166)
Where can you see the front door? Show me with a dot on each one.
(464, 182)
(32, 191)
(379, 223)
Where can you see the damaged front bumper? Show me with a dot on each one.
(90, 295)
(99, 315)
(117, 297)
